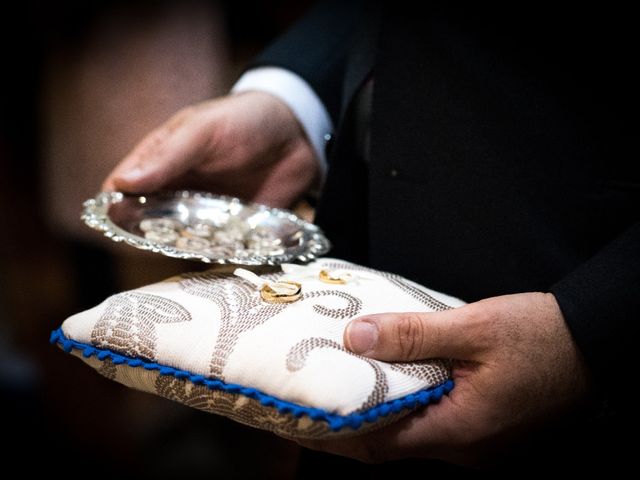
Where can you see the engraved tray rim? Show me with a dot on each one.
(95, 215)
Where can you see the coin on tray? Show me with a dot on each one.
(192, 243)
(159, 225)
(205, 227)
(164, 237)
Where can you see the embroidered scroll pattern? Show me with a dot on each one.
(398, 281)
(433, 372)
(108, 369)
(237, 407)
(354, 305)
(241, 309)
(128, 324)
(297, 357)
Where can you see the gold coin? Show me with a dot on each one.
(224, 237)
(202, 230)
(192, 243)
(161, 237)
(159, 225)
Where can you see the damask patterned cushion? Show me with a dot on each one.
(210, 341)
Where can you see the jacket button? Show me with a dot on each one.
(393, 172)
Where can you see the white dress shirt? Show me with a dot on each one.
(298, 95)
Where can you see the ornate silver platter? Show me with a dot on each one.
(205, 227)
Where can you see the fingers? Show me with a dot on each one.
(378, 446)
(357, 448)
(162, 156)
(414, 336)
(419, 434)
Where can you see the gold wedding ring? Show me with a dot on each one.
(281, 292)
(335, 278)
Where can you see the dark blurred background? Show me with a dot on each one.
(81, 83)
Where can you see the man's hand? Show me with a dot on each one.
(515, 365)
(248, 145)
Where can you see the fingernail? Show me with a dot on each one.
(132, 175)
(362, 336)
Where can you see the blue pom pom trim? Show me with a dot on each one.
(336, 422)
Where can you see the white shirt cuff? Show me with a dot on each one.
(298, 95)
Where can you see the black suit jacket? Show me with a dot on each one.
(503, 155)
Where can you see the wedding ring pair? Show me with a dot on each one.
(287, 291)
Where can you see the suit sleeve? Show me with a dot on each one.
(316, 49)
(600, 301)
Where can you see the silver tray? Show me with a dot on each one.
(255, 234)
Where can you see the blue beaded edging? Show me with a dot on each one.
(336, 422)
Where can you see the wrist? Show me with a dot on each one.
(303, 102)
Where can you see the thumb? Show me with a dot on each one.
(406, 337)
